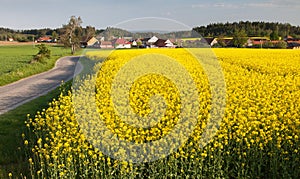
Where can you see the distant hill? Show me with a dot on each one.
(116, 32)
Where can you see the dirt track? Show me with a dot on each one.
(22, 91)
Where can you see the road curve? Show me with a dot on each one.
(27, 89)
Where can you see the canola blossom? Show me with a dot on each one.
(258, 136)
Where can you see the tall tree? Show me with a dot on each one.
(90, 31)
(72, 33)
(239, 38)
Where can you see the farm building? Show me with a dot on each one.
(89, 42)
(106, 44)
(44, 39)
(211, 41)
(121, 43)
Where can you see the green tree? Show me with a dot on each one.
(72, 34)
(239, 38)
(274, 35)
(90, 31)
(44, 52)
(54, 35)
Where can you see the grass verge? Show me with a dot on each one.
(12, 155)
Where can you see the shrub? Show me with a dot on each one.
(281, 44)
(44, 53)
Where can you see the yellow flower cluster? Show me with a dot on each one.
(258, 135)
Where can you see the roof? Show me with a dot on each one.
(293, 43)
(209, 40)
(106, 43)
(43, 39)
(120, 41)
(259, 38)
(160, 43)
(190, 39)
(86, 38)
(169, 42)
(258, 42)
(153, 39)
(145, 39)
(288, 37)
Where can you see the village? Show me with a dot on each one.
(155, 42)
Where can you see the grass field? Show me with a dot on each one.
(15, 62)
(258, 136)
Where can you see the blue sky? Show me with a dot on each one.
(27, 14)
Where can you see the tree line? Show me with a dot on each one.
(72, 33)
(274, 30)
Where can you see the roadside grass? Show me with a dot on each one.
(15, 62)
(12, 125)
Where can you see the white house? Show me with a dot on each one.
(152, 40)
(169, 43)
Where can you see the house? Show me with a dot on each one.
(152, 39)
(161, 43)
(257, 41)
(44, 39)
(189, 42)
(211, 41)
(127, 45)
(144, 42)
(288, 38)
(170, 44)
(121, 43)
(89, 42)
(134, 43)
(106, 44)
(225, 41)
(293, 44)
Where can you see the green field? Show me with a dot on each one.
(15, 62)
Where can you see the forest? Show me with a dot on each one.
(274, 30)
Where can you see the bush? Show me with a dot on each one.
(268, 44)
(44, 53)
(281, 45)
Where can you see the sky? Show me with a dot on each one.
(139, 14)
